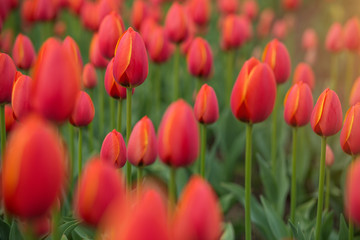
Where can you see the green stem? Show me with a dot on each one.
(293, 178)
(112, 113)
(72, 155)
(128, 132)
(157, 82)
(55, 225)
(321, 189)
(351, 224)
(80, 153)
(91, 128)
(101, 103)
(274, 133)
(172, 187)
(349, 73)
(176, 72)
(327, 193)
(248, 181)
(334, 72)
(29, 233)
(230, 62)
(203, 149)
(119, 115)
(3, 129)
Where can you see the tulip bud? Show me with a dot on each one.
(334, 38)
(178, 135)
(176, 26)
(198, 215)
(10, 122)
(110, 30)
(44, 10)
(355, 93)
(100, 184)
(33, 170)
(309, 39)
(139, 12)
(206, 107)
(84, 110)
(250, 9)
(113, 149)
(60, 28)
(112, 88)
(76, 5)
(265, 21)
(142, 145)
(291, 4)
(228, 6)
(235, 32)
(159, 47)
(8, 71)
(56, 81)
(352, 34)
(326, 117)
(352, 193)
(298, 105)
(70, 44)
(148, 27)
(304, 73)
(90, 17)
(130, 62)
(329, 158)
(277, 56)
(23, 52)
(280, 29)
(21, 93)
(350, 133)
(6, 40)
(200, 58)
(89, 76)
(96, 58)
(200, 11)
(253, 96)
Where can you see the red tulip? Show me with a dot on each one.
(206, 107)
(60, 28)
(265, 21)
(355, 93)
(130, 62)
(326, 117)
(200, 58)
(350, 133)
(23, 52)
(44, 10)
(277, 56)
(352, 34)
(178, 135)
(112, 88)
(113, 149)
(298, 105)
(291, 4)
(280, 29)
(142, 145)
(70, 44)
(200, 11)
(304, 73)
(253, 96)
(8, 71)
(235, 32)
(6, 40)
(329, 158)
(56, 81)
(176, 26)
(352, 193)
(334, 38)
(21, 94)
(90, 16)
(309, 39)
(84, 110)
(10, 122)
(96, 58)
(250, 9)
(76, 5)
(33, 170)
(110, 30)
(198, 215)
(228, 6)
(148, 27)
(159, 47)
(139, 12)
(89, 76)
(100, 184)
(27, 11)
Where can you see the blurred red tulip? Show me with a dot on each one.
(334, 38)
(56, 81)
(200, 11)
(253, 96)
(304, 73)
(277, 56)
(355, 92)
(130, 62)
(142, 145)
(329, 158)
(34, 169)
(44, 10)
(148, 27)
(352, 34)
(309, 39)
(298, 105)
(228, 6)
(176, 26)
(60, 28)
(75, 5)
(139, 12)
(265, 20)
(10, 122)
(280, 29)
(6, 40)
(20, 100)
(291, 4)
(206, 106)
(100, 184)
(250, 9)
(159, 47)
(235, 32)
(112, 88)
(350, 133)
(27, 11)
(70, 44)
(113, 149)
(200, 58)
(198, 215)
(352, 193)
(8, 71)
(90, 16)
(178, 135)
(326, 117)
(23, 52)
(84, 110)
(89, 76)
(96, 58)
(110, 30)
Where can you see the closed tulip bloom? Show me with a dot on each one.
(280, 29)
(10, 122)
(110, 30)
(235, 32)
(265, 20)
(253, 95)
(149, 25)
(176, 26)
(139, 12)
(277, 56)
(21, 94)
(6, 40)
(198, 215)
(350, 133)
(178, 135)
(329, 158)
(206, 106)
(34, 169)
(90, 17)
(304, 73)
(291, 4)
(89, 76)
(309, 39)
(159, 47)
(142, 145)
(56, 81)
(200, 11)
(334, 38)
(352, 193)
(113, 149)
(228, 6)
(355, 93)
(250, 9)
(352, 34)
(298, 105)
(96, 58)
(70, 44)
(112, 88)
(200, 58)
(84, 110)
(8, 71)
(131, 65)
(326, 117)
(23, 52)
(100, 184)
(75, 5)
(45, 10)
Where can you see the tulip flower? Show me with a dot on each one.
(352, 195)
(176, 23)
(147, 30)
(228, 6)
(198, 215)
(10, 122)
(200, 58)
(6, 40)
(113, 149)
(355, 93)
(44, 10)
(33, 173)
(75, 5)
(20, 99)
(90, 17)
(84, 110)
(329, 161)
(334, 44)
(96, 58)
(309, 39)
(250, 9)
(291, 4)
(139, 12)
(265, 21)
(159, 47)
(110, 30)
(350, 133)
(99, 185)
(89, 77)
(200, 11)
(326, 120)
(23, 52)
(304, 73)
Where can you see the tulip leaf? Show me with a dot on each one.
(344, 231)
(15, 232)
(226, 202)
(297, 233)
(327, 225)
(270, 187)
(229, 233)
(63, 237)
(67, 227)
(84, 232)
(4, 230)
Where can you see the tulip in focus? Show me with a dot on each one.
(89, 76)
(200, 58)
(176, 26)
(84, 110)
(23, 52)
(304, 73)
(350, 133)
(114, 89)
(206, 107)
(21, 95)
(113, 149)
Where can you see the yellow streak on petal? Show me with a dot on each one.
(351, 122)
(296, 105)
(321, 109)
(204, 102)
(203, 55)
(167, 130)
